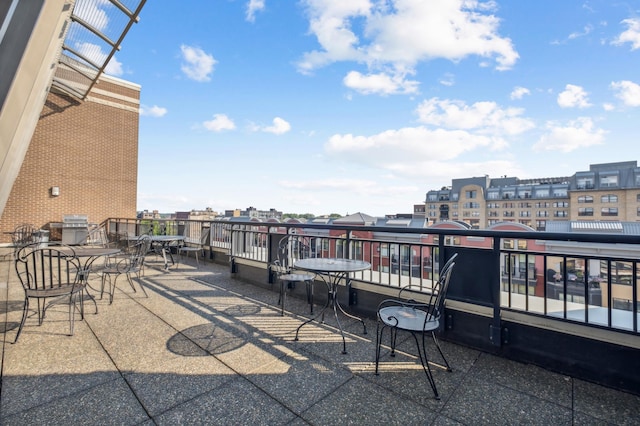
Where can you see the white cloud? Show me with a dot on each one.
(627, 91)
(404, 33)
(631, 35)
(573, 97)
(447, 80)
(382, 83)
(483, 117)
(197, 64)
(254, 6)
(279, 127)
(580, 133)
(585, 31)
(154, 111)
(407, 151)
(219, 123)
(608, 107)
(519, 92)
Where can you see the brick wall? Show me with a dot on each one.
(89, 149)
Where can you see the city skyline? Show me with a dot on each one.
(321, 107)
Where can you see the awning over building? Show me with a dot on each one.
(95, 32)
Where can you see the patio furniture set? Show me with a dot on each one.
(57, 273)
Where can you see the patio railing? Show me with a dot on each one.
(547, 298)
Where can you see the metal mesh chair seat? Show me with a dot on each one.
(408, 317)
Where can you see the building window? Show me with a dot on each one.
(584, 183)
(471, 206)
(609, 211)
(585, 199)
(470, 194)
(585, 211)
(493, 195)
(541, 224)
(542, 213)
(508, 214)
(509, 194)
(524, 205)
(560, 214)
(542, 193)
(495, 214)
(507, 205)
(543, 205)
(610, 198)
(562, 192)
(561, 204)
(525, 214)
(608, 181)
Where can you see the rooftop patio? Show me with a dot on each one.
(207, 348)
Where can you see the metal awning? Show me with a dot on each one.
(95, 32)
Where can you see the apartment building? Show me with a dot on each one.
(606, 192)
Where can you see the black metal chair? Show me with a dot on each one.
(291, 249)
(195, 237)
(404, 314)
(49, 273)
(131, 264)
(23, 235)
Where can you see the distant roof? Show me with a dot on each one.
(599, 226)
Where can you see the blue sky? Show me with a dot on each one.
(334, 106)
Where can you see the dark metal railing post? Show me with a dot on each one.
(495, 328)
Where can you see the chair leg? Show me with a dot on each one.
(25, 310)
(140, 284)
(379, 331)
(72, 310)
(422, 352)
(392, 340)
(282, 296)
(112, 288)
(435, 340)
(309, 285)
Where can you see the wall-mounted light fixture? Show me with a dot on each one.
(55, 191)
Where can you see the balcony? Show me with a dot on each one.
(206, 346)
(210, 343)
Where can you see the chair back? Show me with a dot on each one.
(439, 292)
(139, 251)
(195, 233)
(98, 237)
(47, 268)
(291, 249)
(23, 235)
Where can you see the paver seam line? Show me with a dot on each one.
(118, 370)
(226, 383)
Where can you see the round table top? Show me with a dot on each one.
(158, 238)
(323, 264)
(83, 251)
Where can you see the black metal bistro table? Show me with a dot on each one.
(90, 255)
(333, 271)
(163, 244)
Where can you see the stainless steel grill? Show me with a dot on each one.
(75, 229)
